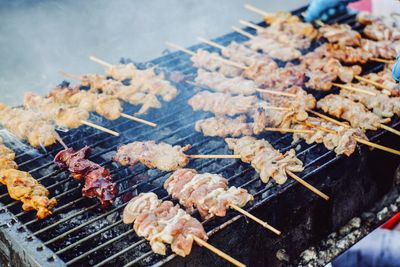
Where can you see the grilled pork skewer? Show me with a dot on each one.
(269, 162)
(209, 193)
(378, 28)
(28, 125)
(144, 81)
(22, 186)
(160, 222)
(356, 113)
(97, 180)
(162, 156)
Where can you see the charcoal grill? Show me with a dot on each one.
(80, 233)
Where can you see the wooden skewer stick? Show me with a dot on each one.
(275, 92)
(235, 64)
(152, 124)
(214, 156)
(354, 89)
(98, 127)
(256, 10)
(100, 61)
(277, 108)
(124, 115)
(254, 218)
(372, 82)
(211, 43)
(307, 185)
(362, 141)
(288, 130)
(242, 32)
(389, 129)
(218, 252)
(251, 25)
(381, 60)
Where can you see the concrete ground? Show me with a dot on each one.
(38, 39)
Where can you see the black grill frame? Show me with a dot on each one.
(32, 243)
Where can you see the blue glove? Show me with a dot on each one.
(396, 69)
(323, 9)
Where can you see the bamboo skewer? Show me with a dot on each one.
(354, 89)
(389, 129)
(251, 25)
(307, 185)
(187, 51)
(381, 60)
(211, 43)
(256, 10)
(101, 62)
(218, 252)
(254, 218)
(373, 83)
(288, 130)
(98, 127)
(275, 92)
(242, 32)
(124, 115)
(214, 156)
(362, 141)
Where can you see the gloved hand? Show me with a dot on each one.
(323, 9)
(396, 69)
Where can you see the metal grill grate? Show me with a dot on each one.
(80, 233)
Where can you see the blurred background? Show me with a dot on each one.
(38, 39)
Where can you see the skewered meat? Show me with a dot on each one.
(347, 54)
(61, 114)
(266, 160)
(28, 125)
(292, 25)
(98, 181)
(224, 126)
(379, 49)
(162, 156)
(143, 81)
(22, 186)
(241, 53)
(273, 48)
(379, 28)
(160, 222)
(381, 104)
(218, 82)
(356, 113)
(135, 94)
(341, 34)
(385, 78)
(210, 62)
(282, 78)
(341, 141)
(207, 192)
(223, 103)
(257, 72)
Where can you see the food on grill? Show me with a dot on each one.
(341, 34)
(224, 126)
(97, 179)
(210, 62)
(162, 222)
(347, 54)
(240, 53)
(143, 81)
(110, 89)
(28, 125)
(355, 113)
(380, 104)
(22, 186)
(341, 140)
(223, 103)
(265, 159)
(386, 79)
(218, 82)
(63, 115)
(207, 192)
(162, 156)
(379, 49)
(273, 48)
(282, 78)
(378, 28)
